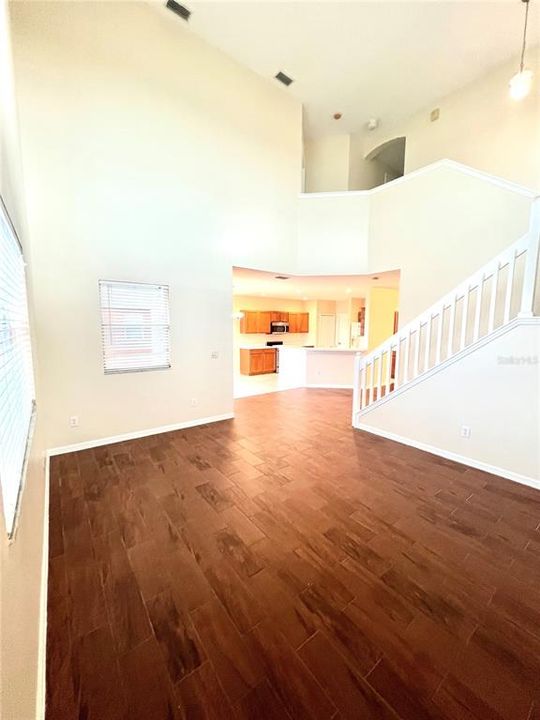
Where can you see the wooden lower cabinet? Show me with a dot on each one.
(257, 362)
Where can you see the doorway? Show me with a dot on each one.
(389, 159)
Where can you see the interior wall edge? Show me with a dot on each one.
(455, 457)
(88, 444)
(44, 582)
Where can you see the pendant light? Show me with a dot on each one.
(520, 84)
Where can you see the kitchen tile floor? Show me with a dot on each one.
(249, 385)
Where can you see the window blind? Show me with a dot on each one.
(134, 326)
(16, 373)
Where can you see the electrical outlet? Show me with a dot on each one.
(74, 421)
(214, 355)
(465, 432)
(194, 402)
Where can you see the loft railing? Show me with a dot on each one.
(500, 291)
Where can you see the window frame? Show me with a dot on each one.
(122, 371)
(11, 522)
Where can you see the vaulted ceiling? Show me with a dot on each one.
(365, 59)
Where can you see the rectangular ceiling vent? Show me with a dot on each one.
(285, 79)
(179, 9)
(281, 277)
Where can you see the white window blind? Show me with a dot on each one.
(16, 374)
(134, 326)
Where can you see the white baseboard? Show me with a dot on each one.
(44, 582)
(448, 455)
(328, 386)
(87, 444)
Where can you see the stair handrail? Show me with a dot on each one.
(529, 243)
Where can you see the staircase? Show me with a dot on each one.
(498, 294)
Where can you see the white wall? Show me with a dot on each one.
(437, 226)
(166, 166)
(479, 125)
(333, 234)
(327, 163)
(497, 399)
(21, 558)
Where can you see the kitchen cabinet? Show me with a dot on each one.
(303, 322)
(249, 322)
(298, 322)
(257, 361)
(263, 322)
(255, 321)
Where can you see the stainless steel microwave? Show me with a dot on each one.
(277, 327)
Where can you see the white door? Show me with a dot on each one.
(343, 330)
(327, 331)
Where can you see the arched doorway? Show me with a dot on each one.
(389, 158)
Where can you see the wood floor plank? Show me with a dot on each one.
(176, 635)
(262, 703)
(290, 679)
(237, 552)
(349, 692)
(201, 696)
(147, 685)
(237, 665)
(200, 575)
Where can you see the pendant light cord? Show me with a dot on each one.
(521, 64)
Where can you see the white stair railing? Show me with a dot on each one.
(500, 291)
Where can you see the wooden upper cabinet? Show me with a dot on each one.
(303, 322)
(298, 322)
(263, 322)
(293, 322)
(259, 321)
(249, 323)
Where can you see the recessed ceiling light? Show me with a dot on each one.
(375, 277)
(337, 116)
(281, 277)
(348, 290)
(180, 10)
(285, 79)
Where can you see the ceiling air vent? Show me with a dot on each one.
(179, 9)
(285, 79)
(281, 277)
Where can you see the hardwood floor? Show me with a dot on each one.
(284, 566)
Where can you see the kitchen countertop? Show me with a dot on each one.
(320, 349)
(256, 347)
(299, 347)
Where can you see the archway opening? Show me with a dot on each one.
(389, 159)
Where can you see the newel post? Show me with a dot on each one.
(356, 386)
(531, 262)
